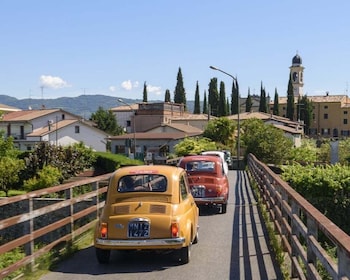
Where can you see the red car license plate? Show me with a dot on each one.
(138, 229)
(198, 191)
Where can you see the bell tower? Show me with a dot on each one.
(297, 76)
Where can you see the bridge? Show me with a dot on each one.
(268, 232)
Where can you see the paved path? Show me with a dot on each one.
(231, 246)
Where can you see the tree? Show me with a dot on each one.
(197, 106)
(213, 97)
(167, 96)
(234, 98)
(267, 143)
(220, 130)
(180, 93)
(9, 170)
(106, 121)
(249, 102)
(305, 112)
(145, 98)
(290, 100)
(275, 110)
(222, 101)
(263, 101)
(205, 106)
(194, 145)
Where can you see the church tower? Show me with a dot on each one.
(297, 76)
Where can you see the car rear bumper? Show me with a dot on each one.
(210, 200)
(137, 243)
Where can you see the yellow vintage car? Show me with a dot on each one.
(148, 207)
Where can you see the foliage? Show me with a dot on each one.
(70, 160)
(248, 102)
(213, 97)
(145, 95)
(267, 143)
(8, 258)
(167, 97)
(205, 106)
(263, 101)
(106, 121)
(6, 146)
(234, 97)
(109, 162)
(325, 187)
(222, 101)
(275, 110)
(180, 93)
(197, 106)
(194, 145)
(9, 170)
(305, 110)
(306, 153)
(290, 100)
(220, 130)
(49, 176)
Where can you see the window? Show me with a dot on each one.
(77, 129)
(345, 121)
(325, 107)
(183, 188)
(325, 116)
(128, 123)
(345, 112)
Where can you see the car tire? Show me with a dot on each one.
(103, 255)
(224, 208)
(195, 240)
(185, 254)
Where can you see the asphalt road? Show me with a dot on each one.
(231, 246)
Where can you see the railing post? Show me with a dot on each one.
(28, 229)
(69, 195)
(343, 263)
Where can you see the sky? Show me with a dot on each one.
(67, 48)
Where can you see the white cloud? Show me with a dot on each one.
(53, 82)
(112, 88)
(129, 85)
(154, 89)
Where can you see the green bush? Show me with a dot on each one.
(109, 162)
(47, 177)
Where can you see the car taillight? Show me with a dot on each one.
(103, 230)
(175, 229)
(218, 189)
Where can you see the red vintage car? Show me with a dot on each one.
(208, 181)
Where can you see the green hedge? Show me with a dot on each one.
(109, 162)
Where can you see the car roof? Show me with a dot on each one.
(211, 157)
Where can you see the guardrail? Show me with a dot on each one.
(302, 228)
(38, 221)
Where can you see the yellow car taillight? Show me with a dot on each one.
(175, 229)
(103, 230)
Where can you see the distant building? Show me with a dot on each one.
(55, 126)
(331, 113)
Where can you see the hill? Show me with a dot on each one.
(83, 105)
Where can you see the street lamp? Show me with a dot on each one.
(134, 111)
(238, 118)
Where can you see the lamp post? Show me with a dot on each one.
(238, 118)
(122, 101)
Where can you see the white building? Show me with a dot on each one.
(56, 126)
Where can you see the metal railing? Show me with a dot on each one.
(302, 229)
(38, 221)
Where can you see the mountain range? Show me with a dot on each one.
(83, 105)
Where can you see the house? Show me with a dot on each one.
(56, 126)
(291, 129)
(6, 109)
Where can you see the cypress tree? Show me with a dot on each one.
(145, 99)
(213, 97)
(197, 106)
(180, 94)
(306, 111)
(222, 101)
(276, 109)
(167, 96)
(205, 106)
(262, 103)
(249, 102)
(234, 98)
(290, 101)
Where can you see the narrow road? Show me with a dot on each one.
(231, 246)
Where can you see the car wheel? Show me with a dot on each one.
(185, 254)
(103, 255)
(195, 240)
(223, 208)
